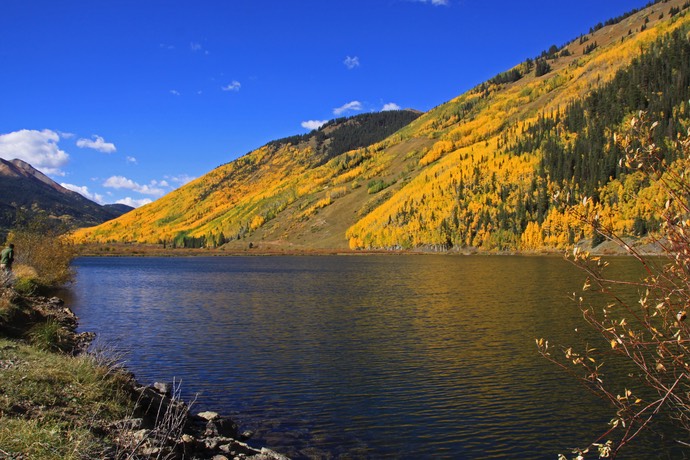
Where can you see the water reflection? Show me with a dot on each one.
(357, 357)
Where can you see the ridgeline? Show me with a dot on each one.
(495, 169)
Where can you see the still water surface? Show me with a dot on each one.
(357, 357)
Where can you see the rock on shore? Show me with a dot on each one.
(164, 428)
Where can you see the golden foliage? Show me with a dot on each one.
(41, 254)
(449, 181)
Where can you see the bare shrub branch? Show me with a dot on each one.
(650, 336)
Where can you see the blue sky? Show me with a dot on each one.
(127, 100)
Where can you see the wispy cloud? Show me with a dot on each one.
(174, 92)
(233, 86)
(350, 106)
(121, 182)
(84, 191)
(180, 179)
(434, 2)
(313, 124)
(134, 202)
(38, 148)
(131, 160)
(97, 143)
(351, 62)
(197, 47)
(390, 106)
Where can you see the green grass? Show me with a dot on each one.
(26, 286)
(50, 401)
(49, 335)
(45, 440)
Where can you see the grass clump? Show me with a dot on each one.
(49, 335)
(25, 286)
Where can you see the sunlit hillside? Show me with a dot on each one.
(494, 168)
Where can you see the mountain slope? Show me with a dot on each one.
(479, 171)
(236, 199)
(25, 189)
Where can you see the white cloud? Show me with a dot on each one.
(351, 62)
(133, 202)
(84, 191)
(354, 106)
(98, 143)
(435, 2)
(197, 47)
(313, 124)
(38, 148)
(390, 106)
(174, 92)
(119, 182)
(182, 179)
(234, 86)
(131, 160)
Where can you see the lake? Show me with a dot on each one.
(371, 356)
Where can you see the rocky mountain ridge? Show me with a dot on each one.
(24, 189)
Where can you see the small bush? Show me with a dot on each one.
(40, 246)
(375, 186)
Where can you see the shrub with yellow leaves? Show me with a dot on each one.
(43, 254)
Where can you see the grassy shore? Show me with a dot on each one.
(54, 405)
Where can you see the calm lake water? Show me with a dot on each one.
(358, 357)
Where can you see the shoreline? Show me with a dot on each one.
(161, 425)
(607, 248)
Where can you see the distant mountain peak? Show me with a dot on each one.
(23, 187)
(18, 168)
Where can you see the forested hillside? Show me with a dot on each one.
(344, 134)
(495, 168)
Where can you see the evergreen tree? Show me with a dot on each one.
(542, 67)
